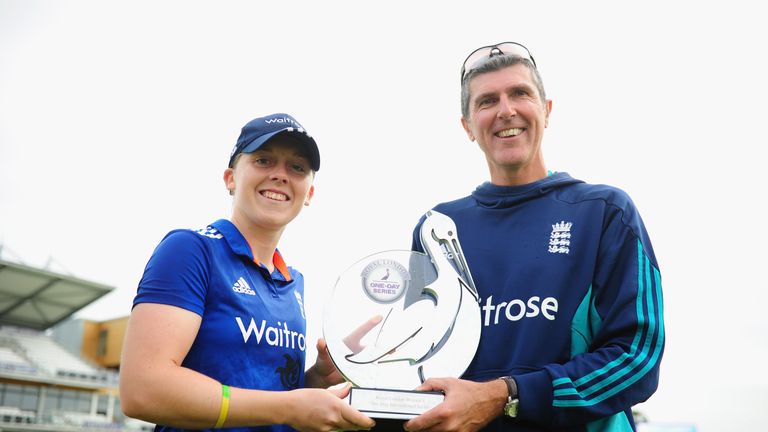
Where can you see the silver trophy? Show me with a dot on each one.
(396, 318)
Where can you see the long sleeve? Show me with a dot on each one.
(616, 352)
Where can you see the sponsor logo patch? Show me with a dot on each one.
(385, 280)
(517, 309)
(242, 287)
(278, 335)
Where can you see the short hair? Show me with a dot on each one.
(493, 64)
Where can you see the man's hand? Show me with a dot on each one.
(468, 405)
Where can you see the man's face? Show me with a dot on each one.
(508, 118)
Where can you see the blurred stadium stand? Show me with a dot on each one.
(56, 373)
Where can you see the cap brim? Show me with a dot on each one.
(300, 137)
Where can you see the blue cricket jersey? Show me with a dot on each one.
(570, 297)
(253, 330)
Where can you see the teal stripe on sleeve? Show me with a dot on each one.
(647, 325)
(633, 379)
(637, 360)
(638, 333)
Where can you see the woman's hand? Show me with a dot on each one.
(318, 410)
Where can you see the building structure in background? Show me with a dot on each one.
(100, 342)
(64, 383)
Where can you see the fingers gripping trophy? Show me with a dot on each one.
(396, 318)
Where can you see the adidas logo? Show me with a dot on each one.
(241, 286)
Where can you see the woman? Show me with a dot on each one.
(217, 332)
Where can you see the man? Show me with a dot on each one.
(570, 291)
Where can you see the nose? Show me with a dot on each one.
(279, 174)
(506, 108)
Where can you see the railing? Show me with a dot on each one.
(16, 415)
(13, 418)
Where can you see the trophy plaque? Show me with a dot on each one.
(397, 318)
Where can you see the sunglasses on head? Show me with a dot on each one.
(478, 56)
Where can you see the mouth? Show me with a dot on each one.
(276, 196)
(511, 132)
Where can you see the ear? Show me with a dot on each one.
(229, 180)
(548, 107)
(310, 194)
(465, 125)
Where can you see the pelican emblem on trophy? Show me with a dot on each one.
(418, 316)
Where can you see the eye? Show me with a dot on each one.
(486, 101)
(521, 92)
(261, 161)
(299, 168)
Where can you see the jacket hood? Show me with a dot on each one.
(493, 196)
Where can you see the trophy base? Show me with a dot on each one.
(394, 405)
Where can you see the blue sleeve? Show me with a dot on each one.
(618, 365)
(177, 273)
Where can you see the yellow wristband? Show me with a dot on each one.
(224, 406)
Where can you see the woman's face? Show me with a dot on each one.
(270, 185)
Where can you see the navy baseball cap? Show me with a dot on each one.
(259, 131)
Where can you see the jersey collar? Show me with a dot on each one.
(240, 246)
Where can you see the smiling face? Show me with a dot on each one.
(507, 118)
(269, 185)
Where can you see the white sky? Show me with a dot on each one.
(117, 118)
